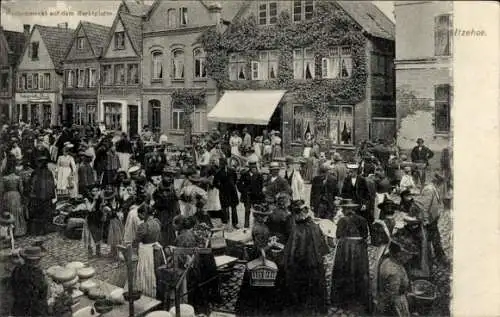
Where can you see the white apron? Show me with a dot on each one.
(124, 159)
(145, 275)
(213, 202)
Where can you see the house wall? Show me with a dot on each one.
(84, 53)
(43, 62)
(127, 51)
(418, 70)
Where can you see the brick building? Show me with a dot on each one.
(325, 65)
(40, 79)
(81, 73)
(11, 48)
(424, 72)
(174, 61)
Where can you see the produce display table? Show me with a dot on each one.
(141, 307)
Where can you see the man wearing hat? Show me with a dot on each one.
(323, 192)
(30, 288)
(421, 154)
(250, 186)
(356, 188)
(276, 184)
(430, 203)
(339, 170)
(225, 180)
(86, 174)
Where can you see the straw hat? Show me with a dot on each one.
(68, 145)
(134, 169)
(352, 166)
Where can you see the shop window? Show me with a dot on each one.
(237, 67)
(155, 108)
(107, 75)
(112, 115)
(338, 64)
(93, 77)
(303, 63)
(47, 115)
(119, 40)
(172, 18)
(157, 66)
(80, 115)
(442, 104)
(178, 65)
(268, 13)
(303, 10)
(266, 67)
(119, 74)
(442, 35)
(303, 122)
(91, 115)
(200, 70)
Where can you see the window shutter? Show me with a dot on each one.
(255, 70)
(325, 66)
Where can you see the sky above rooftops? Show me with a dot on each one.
(15, 13)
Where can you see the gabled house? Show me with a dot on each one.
(11, 48)
(326, 64)
(120, 75)
(174, 64)
(40, 75)
(81, 73)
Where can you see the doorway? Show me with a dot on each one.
(133, 120)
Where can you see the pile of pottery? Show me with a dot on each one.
(71, 277)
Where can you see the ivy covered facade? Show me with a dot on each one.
(338, 77)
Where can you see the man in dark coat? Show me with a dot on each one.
(356, 188)
(155, 162)
(421, 154)
(276, 183)
(225, 181)
(66, 136)
(250, 186)
(324, 188)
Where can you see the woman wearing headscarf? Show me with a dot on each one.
(43, 191)
(303, 262)
(11, 188)
(350, 276)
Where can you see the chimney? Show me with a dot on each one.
(215, 10)
(26, 28)
(63, 25)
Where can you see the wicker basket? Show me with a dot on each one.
(262, 272)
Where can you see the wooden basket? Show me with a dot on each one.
(262, 271)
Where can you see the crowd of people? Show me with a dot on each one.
(137, 193)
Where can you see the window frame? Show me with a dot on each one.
(303, 13)
(79, 117)
(70, 78)
(29, 82)
(110, 74)
(46, 115)
(129, 75)
(113, 115)
(116, 37)
(175, 116)
(23, 81)
(91, 116)
(34, 45)
(200, 111)
(4, 81)
(116, 75)
(258, 65)
(202, 68)
(81, 78)
(155, 107)
(302, 61)
(183, 16)
(238, 61)
(330, 60)
(447, 102)
(440, 30)
(173, 71)
(154, 74)
(269, 20)
(47, 83)
(92, 79)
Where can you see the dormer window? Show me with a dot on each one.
(79, 43)
(34, 50)
(183, 16)
(303, 10)
(120, 40)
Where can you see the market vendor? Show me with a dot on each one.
(29, 285)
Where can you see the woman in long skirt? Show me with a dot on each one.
(350, 276)
(167, 208)
(94, 226)
(11, 189)
(147, 241)
(308, 156)
(66, 170)
(43, 191)
(114, 218)
(276, 144)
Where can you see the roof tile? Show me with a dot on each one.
(97, 35)
(56, 40)
(133, 26)
(136, 8)
(370, 18)
(16, 42)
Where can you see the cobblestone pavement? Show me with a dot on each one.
(62, 250)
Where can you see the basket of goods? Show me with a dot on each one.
(262, 271)
(103, 306)
(85, 273)
(132, 296)
(425, 293)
